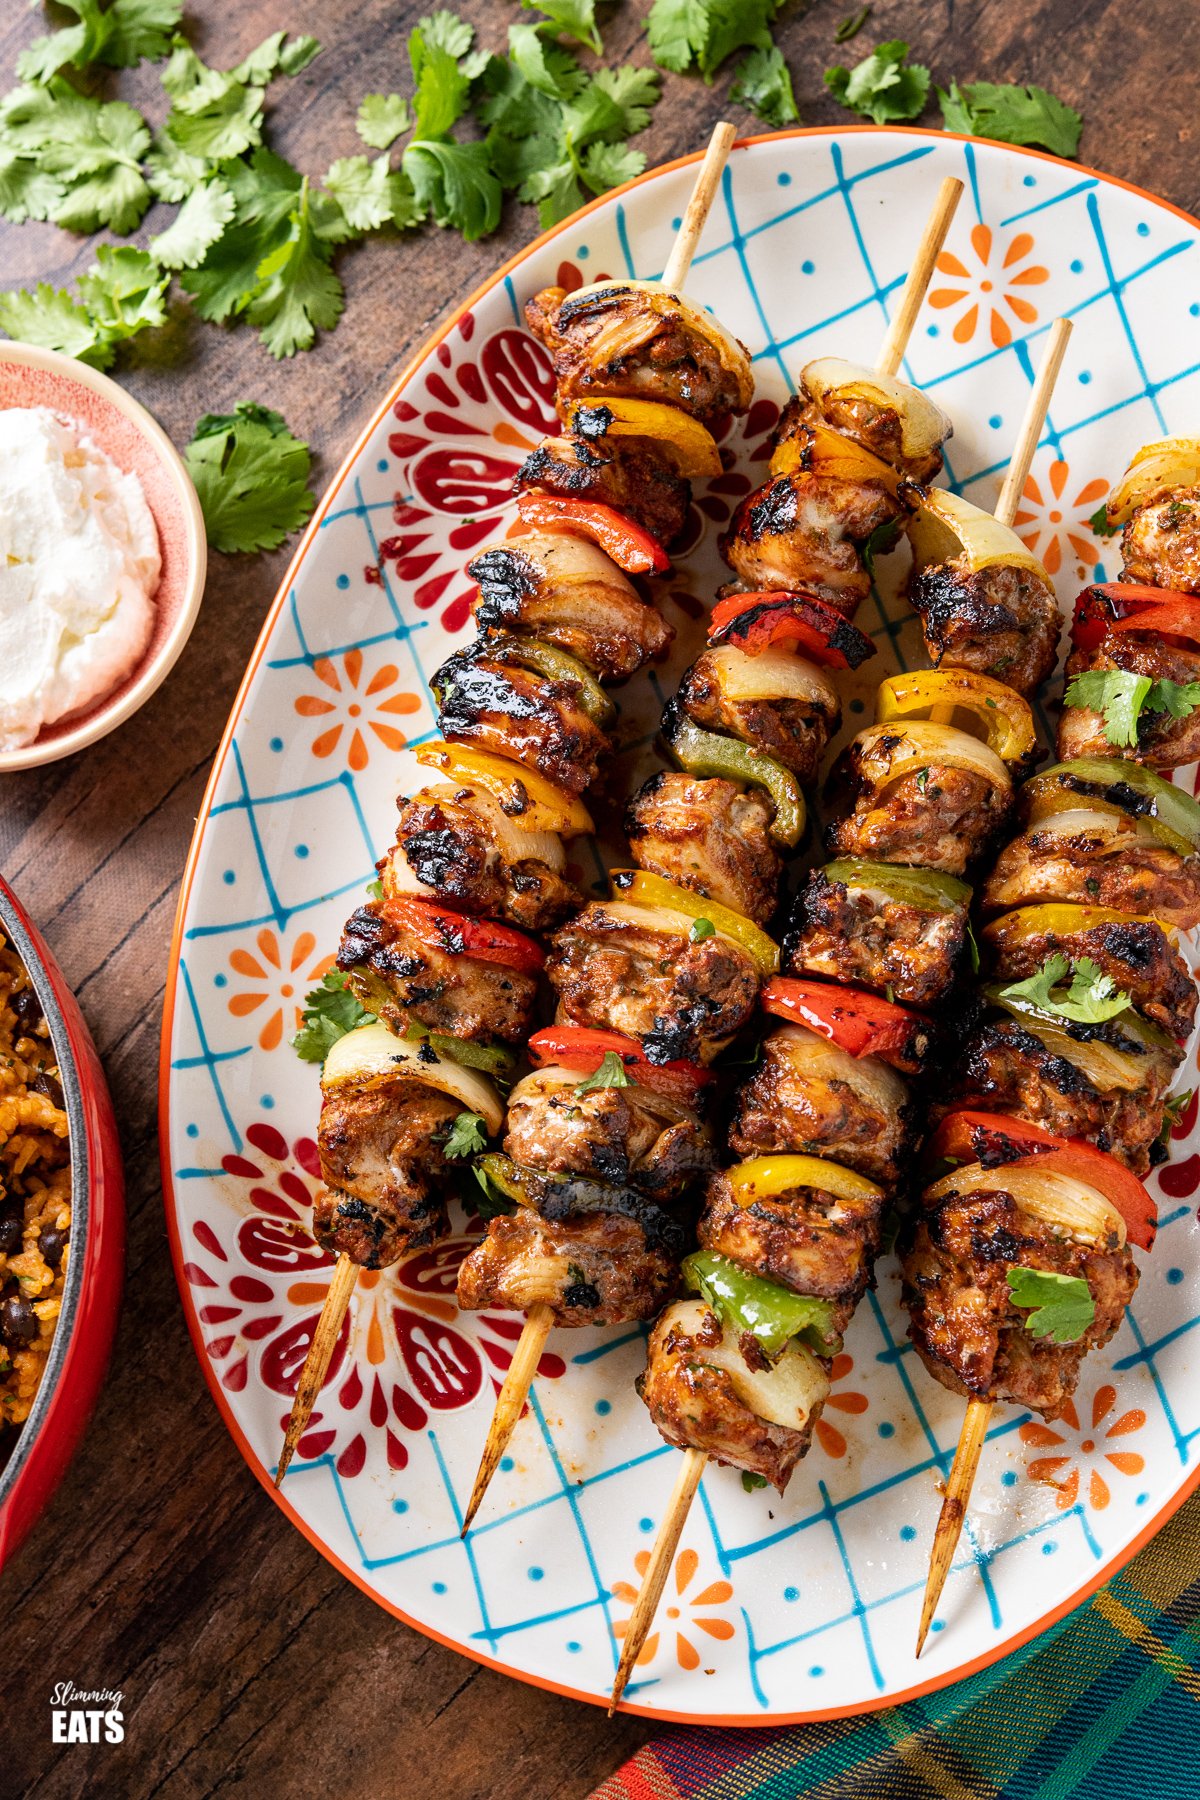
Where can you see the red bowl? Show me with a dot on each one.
(96, 1263)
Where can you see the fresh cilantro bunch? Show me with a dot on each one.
(1011, 114)
(702, 34)
(884, 86)
(118, 34)
(1079, 991)
(121, 295)
(1123, 696)
(252, 478)
(70, 159)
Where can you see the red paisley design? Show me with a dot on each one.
(521, 379)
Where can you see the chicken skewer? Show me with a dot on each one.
(1121, 885)
(487, 845)
(824, 1092)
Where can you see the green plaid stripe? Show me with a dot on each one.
(1106, 1704)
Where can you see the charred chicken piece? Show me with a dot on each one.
(710, 836)
(624, 473)
(487, 699)
(703, 1388)
(455, 845)
(727, 690)
(1086, 868)
(811, 1242)
(936, 818)
(641, 342)
(567, 592)
(967, 1330)
(1135, 954)
(1001, 620)
(381, 1156)
(808, 1097)
(601, 1268)
(1163, 741)
(399, 976)
(803, 530)
(876, 939)
(1161, 543)
(628, 1135)
(866, 421)
(615, 965)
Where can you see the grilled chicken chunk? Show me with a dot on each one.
(1005, 1067)
(809, 1098)
(937, 818)
(643, 344)
(614, 966)
(865, 421)
(487, 700)
(399, 977)
(1001, 621)
(695, 1403)
(381, 1156)
(811, 1242)
(805, 531)
(451, 847)
(1161, 543)
(1084, 868)
(624, 473)
(566, 591)
(967, 1331)
(627, 1135)
(1136, 954)
(709, 836)
(1162, 740)
(868, 938)
(793, 731)
(594, 1269)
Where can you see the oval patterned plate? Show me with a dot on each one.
(788, 1608)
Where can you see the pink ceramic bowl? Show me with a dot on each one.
(139, 445)
(92, 1292)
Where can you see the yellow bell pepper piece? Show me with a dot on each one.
(766, 1177)
(819, 450)
(654, 890)
(691, 447)
(529, 800)
(1058, 919)
(1171, 462)
(1000, 717)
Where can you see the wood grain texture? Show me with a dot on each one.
(249, 1666)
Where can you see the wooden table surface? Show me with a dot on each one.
(249, 1666)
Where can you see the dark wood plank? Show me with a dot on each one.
(249, 1666)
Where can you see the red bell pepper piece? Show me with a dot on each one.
(994, 1140)
(631, 548)
(752, 621)
(1126, 606)
(580, 1047)
(858, 1022)
(458, 935)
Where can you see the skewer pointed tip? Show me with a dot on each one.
(691, 1468)
(510, 1403)
(954, 1509)
(316, 1363)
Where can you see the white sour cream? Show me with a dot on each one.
(79, 564)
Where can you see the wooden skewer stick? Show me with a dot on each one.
(891, 353)
(890, 357)
(658, 1568)
(316, 1363)
(510, 1402)
(954, 1509)
(974, 1430)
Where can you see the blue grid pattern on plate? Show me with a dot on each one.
(208, 1068)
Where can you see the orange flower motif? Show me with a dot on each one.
(346, 708)
(1065, 1470)
(827, 1434)
(986, 290)
(278, 980)
(715, 1594)
(1053, 522)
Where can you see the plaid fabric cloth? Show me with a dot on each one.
(1104, 1707)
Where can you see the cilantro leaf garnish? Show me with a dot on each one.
(884, 86)
(611, 1073)
(1098, 523)
(1174, 1108)
(751, 1480)
(455, 184)
(883, 539)
(683, 33)
(1088, 997)
(329, 1012)
(764, 84)
(1012, 114)
(381, 119)
(71, 159)
(1122, 696)
(196, 227)
(120, 296)
(252, 478)
(118, 35)
(573, 18)
(701, 929)
(372, 193)
(468, 1134)
(1061, 1306)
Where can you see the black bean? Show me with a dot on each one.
(18, 1321)
(51, 1243)
(10, 1233)
(28, 1008)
